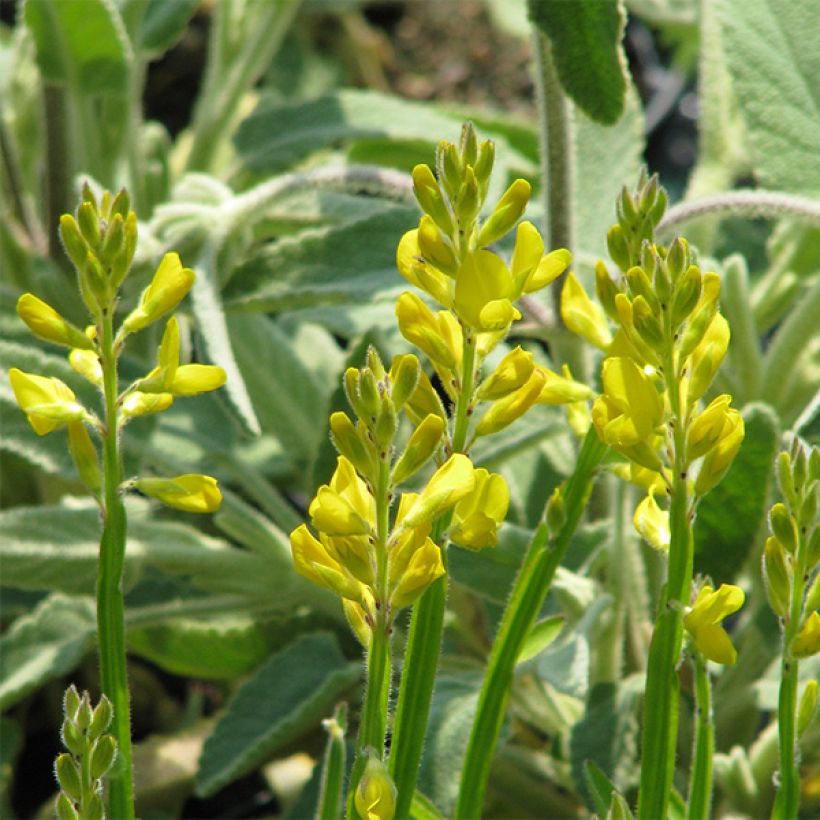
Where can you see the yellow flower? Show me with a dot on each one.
(477, 516)
(718, 460)
(87, 364)
(168, 288)
(512, 372)
(705, 430)
(47, 402)
(702, 622)
(505, 411)
(421, 446)
(562, 389)
(355, 614)
(437, 335)
(313, 561)
(706, 358)
(582, 316)
(652, 523)
(421, 274)
(46, 323)
(531, 268)
(344, 507)
(137, 404)
(807, 640)
(449, 484)
(423, 567)
(484, 293)
(193, 379)
(191, 493)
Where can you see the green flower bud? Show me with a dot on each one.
(606, 290)
(484, 165)
(429, 196)
(101, 719)
(351, 387)
(420, 448)
(92, 277)
(777, 575)
(686, 296)
(468, 201)
(626, 208)
(102, 756)
(556, 514)
(114, 240)
(813, 550)
(65, 808)
(640, 285)
(72, 737)
(121, 206)
(813, 595)
(434, 248)
(448, 166)
(89, 222)
(349, 443)
(783, 527)
(807, 706)
(122, 263)
(507, 212)
(469, 144)
(84, 454)
(785, 479)
(677, 258)
(647, 197)
(71, 702)
(699, 323)
(370, 396)
(68, 776)
(84, 713)
(75, 246)
(799, 464)
(658, 209)
(386, 422)
(647, 325)
(94, 809)
(618, 247)
(404, 376)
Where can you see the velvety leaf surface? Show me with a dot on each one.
(586, 48)
(287, 695)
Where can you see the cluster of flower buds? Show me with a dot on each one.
(669, 342)
(702, 622)
(100, 241)
(90, 755)
(791, 557)
(373, 564)
(447, 257)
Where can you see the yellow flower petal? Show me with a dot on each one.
(582, 316)
(449, 484)
(191, 493)
(47, 402)
(168, 288)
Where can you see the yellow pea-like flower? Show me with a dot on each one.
(582, 316)
(437, 335)
(343, 507)
(419, 273)
(168, 288)
(47, 402)
(314, 562)
(137, 403)
(449, 484)
(718, 460)
(512, 372)
(356, 618)
(423, 567)
(703, 622)
(505, 411)
(707, 357)
(562, 389)
(477, 516)
(630, 391)
(192, 492)
(807, 640)
(419, 449)
(652, 523)
(484, 293)
(193, 379)
(531, 269)
(87, 364)
(705, 430)
(47, 324)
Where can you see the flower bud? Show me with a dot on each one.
(102, 756)
(777, 575)
(370, 396)
(420, 448)
(71, 702)
(424, 400)
(193, 379)
(647, 325)
(606, 290)
(75, 246)
(72, 736)
(68, 776)
(423, 329)
(84, 455)
(618, 247)
(113, 243)
(87, 364)
(640, 285)
(702, 318)
(434, 248)
(507, 212)
(468, 145)
(101, 717)
(448, 165)
(813, 550)
(386, 425)
(89, 221)
(555, 513)
(484, 165)
(404, 376)
(349, 443)
(582, 316)
(562, 389)
(807, 706)
(677, 258)
(168, 288)
(137, 404)
(449, 484)
(813, 595)
(808, 509)
(626, 208)
(705, 430)
(376, 793)
(512, 372)
(94, 808)
(430, 199)
(785, 479)
(783, 527)
(687, 293)
(47, 402)
(122, 262)
(718, 460)
(45, 323)
(468, 201)
(190, 493)
(652, 524)
(65, 808)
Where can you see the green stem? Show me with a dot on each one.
(787, 802)
(110, 604)
(660, 729)
(333, 769)
(700, 789)
(527, 598)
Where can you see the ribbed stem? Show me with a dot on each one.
(110, 604)
(700, 787)
(527, 597)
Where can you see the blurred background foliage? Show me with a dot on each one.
(270, 144)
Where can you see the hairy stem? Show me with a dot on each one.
(700, 787)
(527, 597)
(110, 604)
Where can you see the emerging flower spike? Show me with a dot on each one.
(702, 622)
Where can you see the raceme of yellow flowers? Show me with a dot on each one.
(101, 241)
(379, 548)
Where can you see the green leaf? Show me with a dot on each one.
(325, 266)
(542, 634)
(81, 44)
(586, 48)
(163, 24)
(214, 649)
(772, 55)
(288, 695)
(606, 737)
(45, 644)
(723, 543)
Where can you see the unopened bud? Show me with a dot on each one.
(137, 404)
(102, 756)
(65, 808)
(647, 325)
(122, 263)
(101, 717)
(484, 165)
(686, 296)
(468, 144)
(190, 493)
(429, 196)
(783, 527)
(72, 736)
(807, 706)
(75, 246)
(84, 455)
(641, 285)
(506, 410)
(168, 288)
(777, 576)
(370, 396)
(420, 448)
(434, 248)
(626, 208)
(556, 514)
(468, 201)
(677, 258)
(121, 204)
(89, 222)
(376, 793)
(386, 425)
(45, 323)
(404, 376)
(507, 212)
(606, 290)
(71, 702)
(448, 165)
(807, 641)
(618, 247)
(68, 776)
